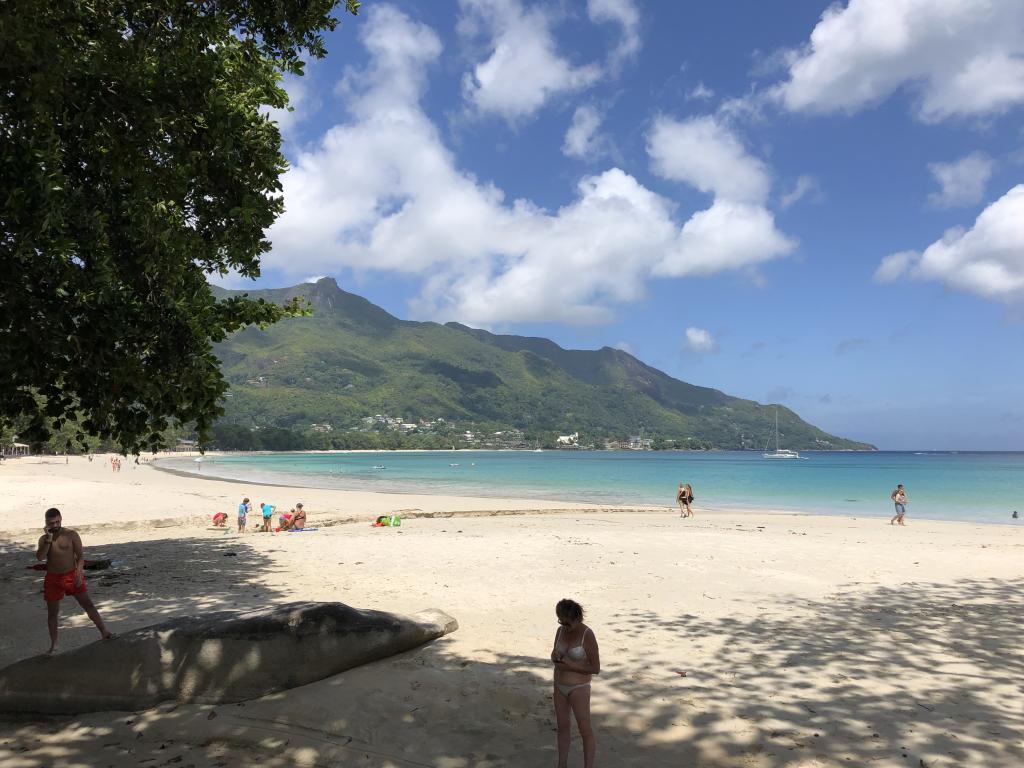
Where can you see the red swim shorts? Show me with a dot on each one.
(56, 585)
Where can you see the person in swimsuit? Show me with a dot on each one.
(61, 548)
(899, 498)
(684, 496)
(576, 659)
(297, 521)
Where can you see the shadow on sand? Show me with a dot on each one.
(922, 675)
(223, 574)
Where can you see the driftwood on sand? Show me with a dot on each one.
(220, 657)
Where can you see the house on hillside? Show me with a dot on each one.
(568, 441)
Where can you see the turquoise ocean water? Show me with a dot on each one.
(983, 487)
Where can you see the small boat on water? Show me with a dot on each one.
(379, 466)
(780, 453)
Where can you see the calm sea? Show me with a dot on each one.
(951, 486)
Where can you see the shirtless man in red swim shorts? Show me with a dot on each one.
(61, 548)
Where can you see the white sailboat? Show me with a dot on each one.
(779, 453)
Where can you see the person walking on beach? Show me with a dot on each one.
(61, 548)
(899, 498)
(684, 496)
(576, 659)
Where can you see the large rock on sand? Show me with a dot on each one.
(220, 657)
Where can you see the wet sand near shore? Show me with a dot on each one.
(735, 639)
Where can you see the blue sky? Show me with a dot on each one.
(797, 203)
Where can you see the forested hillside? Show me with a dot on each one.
(351, 360)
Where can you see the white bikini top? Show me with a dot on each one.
(577, 652)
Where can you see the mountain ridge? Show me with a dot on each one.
(352, 359)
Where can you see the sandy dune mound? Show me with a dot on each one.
(221, 657)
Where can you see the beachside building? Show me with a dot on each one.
(13, 449)
(640, 443)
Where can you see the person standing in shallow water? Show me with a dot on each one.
(577, 659)
(61, 548)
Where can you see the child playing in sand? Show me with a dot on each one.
(268, 513)
(243, 512)
(283, 519)
(61, 548)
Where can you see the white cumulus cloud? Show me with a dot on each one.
(700, 341)
(963, 181)
(895, 265)
(700, 92)
(380, 191)
(625, 14)
(706, 154)
(737, 230)
(583, 139)
(987, 259)
(728, 235)
(806, 186)
(959, 57)
(523, 68)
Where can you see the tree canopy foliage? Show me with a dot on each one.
(136, 159)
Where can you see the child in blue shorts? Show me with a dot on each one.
(243, 511)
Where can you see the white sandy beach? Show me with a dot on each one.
(731, 639)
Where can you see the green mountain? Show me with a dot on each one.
(352, 360)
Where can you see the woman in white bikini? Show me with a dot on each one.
(576, 659)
